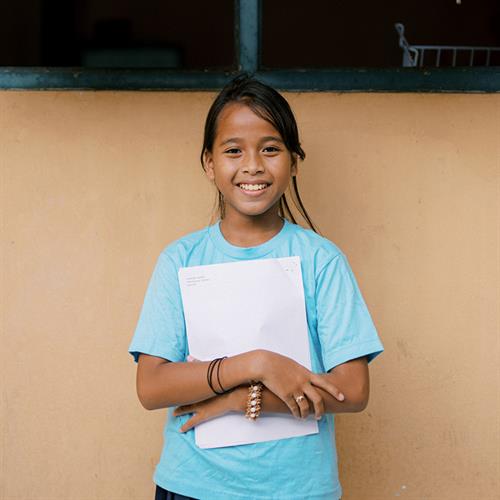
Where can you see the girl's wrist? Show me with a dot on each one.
(242, 369)
(258, 365)
(238, 399)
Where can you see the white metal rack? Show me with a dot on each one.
(413, 55)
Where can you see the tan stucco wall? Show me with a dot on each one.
(94, 185)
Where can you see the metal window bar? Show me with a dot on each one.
(413, 55)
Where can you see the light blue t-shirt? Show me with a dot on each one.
(340, 329)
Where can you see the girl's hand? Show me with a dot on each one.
(210, 408)
(289, 380)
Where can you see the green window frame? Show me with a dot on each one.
(247, 42)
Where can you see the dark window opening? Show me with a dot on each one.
(339, 33)
(126, 34)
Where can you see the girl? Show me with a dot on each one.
(250, 152)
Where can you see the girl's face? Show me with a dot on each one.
(249, 163)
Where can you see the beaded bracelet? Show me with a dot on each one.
(254, 401)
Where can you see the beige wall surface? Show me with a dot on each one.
(95, 184)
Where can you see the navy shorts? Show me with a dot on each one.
(162, 494)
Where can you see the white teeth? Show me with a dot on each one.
(253, 187)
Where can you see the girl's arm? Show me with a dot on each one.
(352, 377)
(161, 383)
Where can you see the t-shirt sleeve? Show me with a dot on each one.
(160, 330)
(345, 327)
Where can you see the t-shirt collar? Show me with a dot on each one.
(247, 252)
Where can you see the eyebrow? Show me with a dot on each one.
(264, 139)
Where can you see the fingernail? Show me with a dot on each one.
(341, 397)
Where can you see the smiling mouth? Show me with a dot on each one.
(253, 187)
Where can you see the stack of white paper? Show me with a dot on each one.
(237, 307)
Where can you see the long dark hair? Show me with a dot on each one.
(271, 106)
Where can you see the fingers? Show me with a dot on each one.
(192, 422)
(299, 405)
(303, 405)
(182, 410)
(316, 400)
(323, 383)
(294, 407)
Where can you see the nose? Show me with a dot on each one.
(253, 165)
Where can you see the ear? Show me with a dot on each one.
(208, 164)
(293, 169)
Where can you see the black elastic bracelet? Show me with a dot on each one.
(215, 362)
(216, 365)
(218, 377)
(209, 374)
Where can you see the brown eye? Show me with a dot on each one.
(271, 149)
